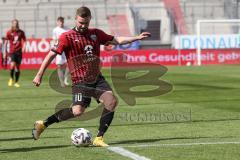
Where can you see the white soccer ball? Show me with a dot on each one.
(81, 137)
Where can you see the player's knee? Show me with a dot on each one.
(78, 110)
(111, 104)
(17, 69)
(12, 66)
(59, 66)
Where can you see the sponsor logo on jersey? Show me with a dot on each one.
(88, 49)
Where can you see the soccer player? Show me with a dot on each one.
(61, 61)
(82, 48)
(16, 39)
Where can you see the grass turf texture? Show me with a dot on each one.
(203, 107)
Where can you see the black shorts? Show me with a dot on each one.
(16, 57)
(82, 92)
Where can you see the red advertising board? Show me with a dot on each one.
(174, 57)
(36, 50)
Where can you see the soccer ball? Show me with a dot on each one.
(81, 137)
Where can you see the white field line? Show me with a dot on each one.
(181, 144)
(126, 153)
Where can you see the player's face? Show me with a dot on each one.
(82, 23)
(14, 25)
(60, 23)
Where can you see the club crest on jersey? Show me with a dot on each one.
(93, 37)
(88, 49)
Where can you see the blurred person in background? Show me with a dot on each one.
(61, 61)
(3, 55)
(16, 39)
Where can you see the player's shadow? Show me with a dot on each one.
(29, 149)
(130, 124)
(156, 140)
(23, 138)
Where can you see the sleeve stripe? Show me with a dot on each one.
(56, 51)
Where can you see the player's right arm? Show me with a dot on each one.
(47, 60)
(5, 45)
(54, 35)
(5, 49)
(58, 48)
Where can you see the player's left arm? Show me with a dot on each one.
(5, 49)
(126, 40)
(23, 46)
(23, 41)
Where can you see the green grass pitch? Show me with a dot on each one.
(199, 119)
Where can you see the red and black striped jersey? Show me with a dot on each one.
(15, 39)
(82, 51)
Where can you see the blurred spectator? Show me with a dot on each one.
(3, 56)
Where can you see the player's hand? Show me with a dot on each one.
(23, 49)
(37, 80)
(4, 55)
(144, 35)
